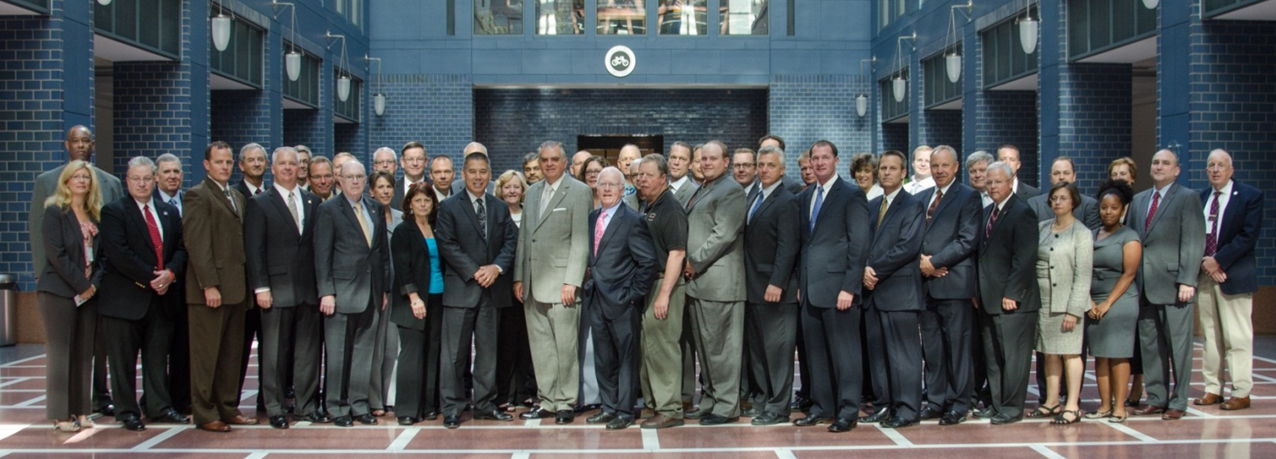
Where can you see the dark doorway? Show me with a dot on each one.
(608, 145)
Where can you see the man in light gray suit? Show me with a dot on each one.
(1064, 170)
(1168, 220)
(680, 182)
(715, 288)
(351, 273)
(549, 268)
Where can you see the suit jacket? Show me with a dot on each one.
(46, 184)
(951, 239)
(411, 273)
(794, 185)
(1172, 245)
(554, 246)
(1027, 191)
(1008, 259)
(622, 266)
(345, 265)
(895, 254)
(684, 194)
(64, 251)
(1087, 213)
(280, 257)
(771, 246)
(129, 262)
(1237, 235)
(464, 249)
(214, 235)
(715, 241)
(834, 253)
(243, 188)
(1069, 269)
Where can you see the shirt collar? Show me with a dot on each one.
(473, 198)
(764, 192)
(944, 190)
(828, 184)
(1227, 188)
(611, 211)
(554, 185)
(357, 201)
(148, 202)
(1162, 191)
(677, 184)
(891, 196)
(284, 191)
(167, 197)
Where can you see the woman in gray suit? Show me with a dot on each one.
(387, 338)
(417, 307)
(66, 294)
(1063, 274)
(1112, 321)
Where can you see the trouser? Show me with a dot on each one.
(1229, 335)
(70, 333)
(1165, 337)
(349, 338)
(661, 373)
(150, 336)
(552, 331)
(947, 331)
(773, 328)
(718, 328)
(217, 339)
(1008, 341)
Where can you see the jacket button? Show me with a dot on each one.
(1052, 249)
(1054, 285)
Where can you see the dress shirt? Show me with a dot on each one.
(547, 193)
(175, 199)
(296, 196)
(407, 183)
(943, 190)
(676, 185)
(1223, 199)
(252, 189)
(983, 196)
(917, 186)
(1163, 191)
(611, 214)
(826, 186)
(372, 224)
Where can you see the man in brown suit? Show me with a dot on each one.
(213, 225)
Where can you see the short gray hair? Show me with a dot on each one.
(551, 144)
(1001, 166)
(956, 157)
(393, 155)
(168, 158)
(274, 156)
(142, 161)
(979, 157)
(250, 147)
(771, 150)
(609, 170)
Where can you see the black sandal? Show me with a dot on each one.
(1062, 418)
(1098, 414)
(1050, 411)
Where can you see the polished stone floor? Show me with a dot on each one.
(1206, 432)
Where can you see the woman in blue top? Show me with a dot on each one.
(417, 307)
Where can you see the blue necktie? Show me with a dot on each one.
(819, 201)
(756, 204)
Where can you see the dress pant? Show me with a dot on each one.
(690, 375)
(773, 331)
(661, 343)
(587, 394)
(980, 391)
(616, 358)
(70, 333)
(903, 361)
(216, 344)
(101, 387)
(151, 336)
(946, 327)
(418, 376)
(877, 386)
(718, 329)
(1008, 342)
(292, 342)
(252, 330)
(179, 355)
(460, 325)
(803, 363)
(384, 356)
(552, 331)
(513, 358)
(833, 345)
(1165, 337)
(1229, 335)
(349, 339)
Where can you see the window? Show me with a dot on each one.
(939, 90)
(682, 17)
(622, 17)
(242, 60)
(349, 109)
(306, 89)
(352, 10)
(890, 10)
(892, 109)
(154, 25)
(1095, 26)
(498, 17)
(560, 17)
(1004, 59)
(744, 17)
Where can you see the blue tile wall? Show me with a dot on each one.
(1094, 120)
(940, 127)
(153, 112)
(436, 110)
(309, 128)
(894, 137)
(241, 117)
(807, 108)
(1003, 117)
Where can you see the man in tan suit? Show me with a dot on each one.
(213, 225)
(553, 249)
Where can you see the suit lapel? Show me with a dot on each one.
(469, 211)
(554, 200)
(277, 199)
(611, 229)
(834, 191)
(221, 196)
(766, 203)
(944, 200)
(890, 214)
(1164, 205)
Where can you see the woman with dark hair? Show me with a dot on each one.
(66, 295)
(417, 307)
(1114, 314)
(864, 171)
(1063, 275)
(589, 174)
(1124, 168)
(381, 183)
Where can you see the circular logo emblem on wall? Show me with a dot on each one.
(620, 61)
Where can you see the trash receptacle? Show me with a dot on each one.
(8, 309)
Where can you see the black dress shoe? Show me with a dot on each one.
(536, 413)
(343, 421)
(986, 413)
(952, 418)
(600, 418)
(880, 415)
(589, 407)
(279, 422)
(768, 419)
(564, 417)
(317, 418)
(928, 413)
(693, 414)
(171, 416)
(801, 404)
(407, 420)
(752, 412)
(842, 425)
(366, 419)
(899, 423)
(1006, 419)
(430, 415)
(107, 410)
(494, 415)
(619, 423)
(452, 421)
(714, 419)
(132, 422)
(812, 420)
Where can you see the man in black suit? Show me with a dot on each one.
(835, 241)
(477, 240)
(351, 272)
(949, 283)
(252, 165)
(1008, 295)
(794, 186)
(771, 316)
(1065, 170)
(894, 286)
(142, 241)
(168, 189)
(1009, 154)
(278, 240)
(622, 264)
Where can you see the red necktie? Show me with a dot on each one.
(992, 219)
(158, 242)
(939, 194)
(1211, 238)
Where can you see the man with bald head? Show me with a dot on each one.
(578, 161)
(1168, 220)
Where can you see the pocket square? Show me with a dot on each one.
(558, 209)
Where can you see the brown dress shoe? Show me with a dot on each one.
(1236, 403)
(215, 426)
(1208, 399)
(1147, 410)
(1172, 415)
(660, 421)
(240, 420)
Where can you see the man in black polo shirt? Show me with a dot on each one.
(661, 373)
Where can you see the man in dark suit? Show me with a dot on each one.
(622, 263)
(771, 318)
(835, 240)
(1009, 154)
(1168, 218)
(893, 300)
(794, 185)
(949, 283)
(279, 231)
(1064, 170)
(1008, 295)
(1228, 280)
(352, 276)
(413, 160)
(213, 229)
(168, 190)
(252, 166)
(144, 253)
(476, 240)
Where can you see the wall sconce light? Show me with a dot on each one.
(1149, 4)
(221, 29)
(343, 78)
(292, 60)
(952, 61)
(378, 99)
(861, 105)
(1028, 31)
(861, 101)
(899, 84)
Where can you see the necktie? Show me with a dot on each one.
(1211, 238)
(363, 223)
(232, 200)
(255, 193)
(292, 209)
(881, 213)
(599, 228)
(991, 220)
(156, 240)
(756, 204)
(481, 212)
(175, 203)
(815, 210)
(1156, 199)
(694, 195)
(545, 197)
(939, 194)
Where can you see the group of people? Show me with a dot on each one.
(625, 287)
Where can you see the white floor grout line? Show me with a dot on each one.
(15, 362)
(16, 381)
(650, 439)
(784, 453)
(521, 455)
(894, 435)
(1047, 452)
(401, 442)
(165, 435)
(1129, 431)
(1196, 412)
(257, 455)
(31, 402)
